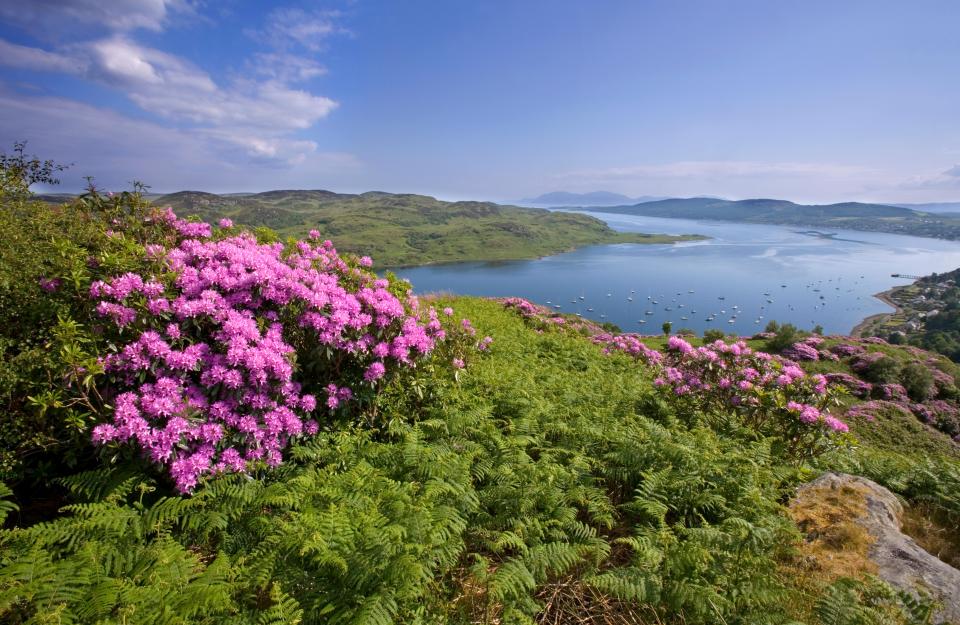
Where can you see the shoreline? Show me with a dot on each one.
(673, 240)
(885, 297)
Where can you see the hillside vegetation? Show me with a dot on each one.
(203, 425)
(405, 229)
(847, 215)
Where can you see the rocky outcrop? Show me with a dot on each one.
(899, 560)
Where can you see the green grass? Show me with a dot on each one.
(398, 230)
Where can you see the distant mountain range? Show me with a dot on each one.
(933, 207)
(846, 215)
(594, 198)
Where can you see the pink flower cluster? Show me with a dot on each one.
(804, 350)
(944, 381)
(847, 349)
(870, 410)
(942, 415)
(541, 318)
(863, 362)
(207, 378)
(894, 392)
(50, 285)
(856, 386)
(628, 344)
(768, 392)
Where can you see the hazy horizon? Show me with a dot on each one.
(815, 103)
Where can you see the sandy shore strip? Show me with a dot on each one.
(873, 319)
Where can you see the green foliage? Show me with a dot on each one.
(712, 335)
(50, 256)
(871, 602)
(884, 370)
(784, 336)
(19, 171)
(917, 379)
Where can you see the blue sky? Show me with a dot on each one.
(811, 101)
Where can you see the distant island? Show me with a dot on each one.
(846, 215)
(407, 229)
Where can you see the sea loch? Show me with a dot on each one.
(737, 281)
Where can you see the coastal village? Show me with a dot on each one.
(915, 304)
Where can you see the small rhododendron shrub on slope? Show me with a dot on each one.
(765, 393)
(233, 348)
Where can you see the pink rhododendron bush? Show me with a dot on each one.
(768, 394)
(228, 349)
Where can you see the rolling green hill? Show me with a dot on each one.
(848, 215)
(407, 229)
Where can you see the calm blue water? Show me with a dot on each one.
(810, 280)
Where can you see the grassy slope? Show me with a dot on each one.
(410, 229)
(847, 215)
(535, 384)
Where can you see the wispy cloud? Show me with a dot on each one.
(802, 181)
(948, 179)
(51, 19)
(290, 28)
(711, 169)
(293, 38)
(37, 60)
(805, 181)
(259, 111)
(117, 149)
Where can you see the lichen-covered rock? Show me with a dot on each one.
(899, 560)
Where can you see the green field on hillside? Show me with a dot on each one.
(403, 229)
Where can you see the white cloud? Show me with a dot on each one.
(948, 179)
(35, 59)
(288, 28)
(54, 18)
(794, 180)
(117, 149)
(285, 67)
(711, 169)
(256, 115)
(797, 180)
(258, 111)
